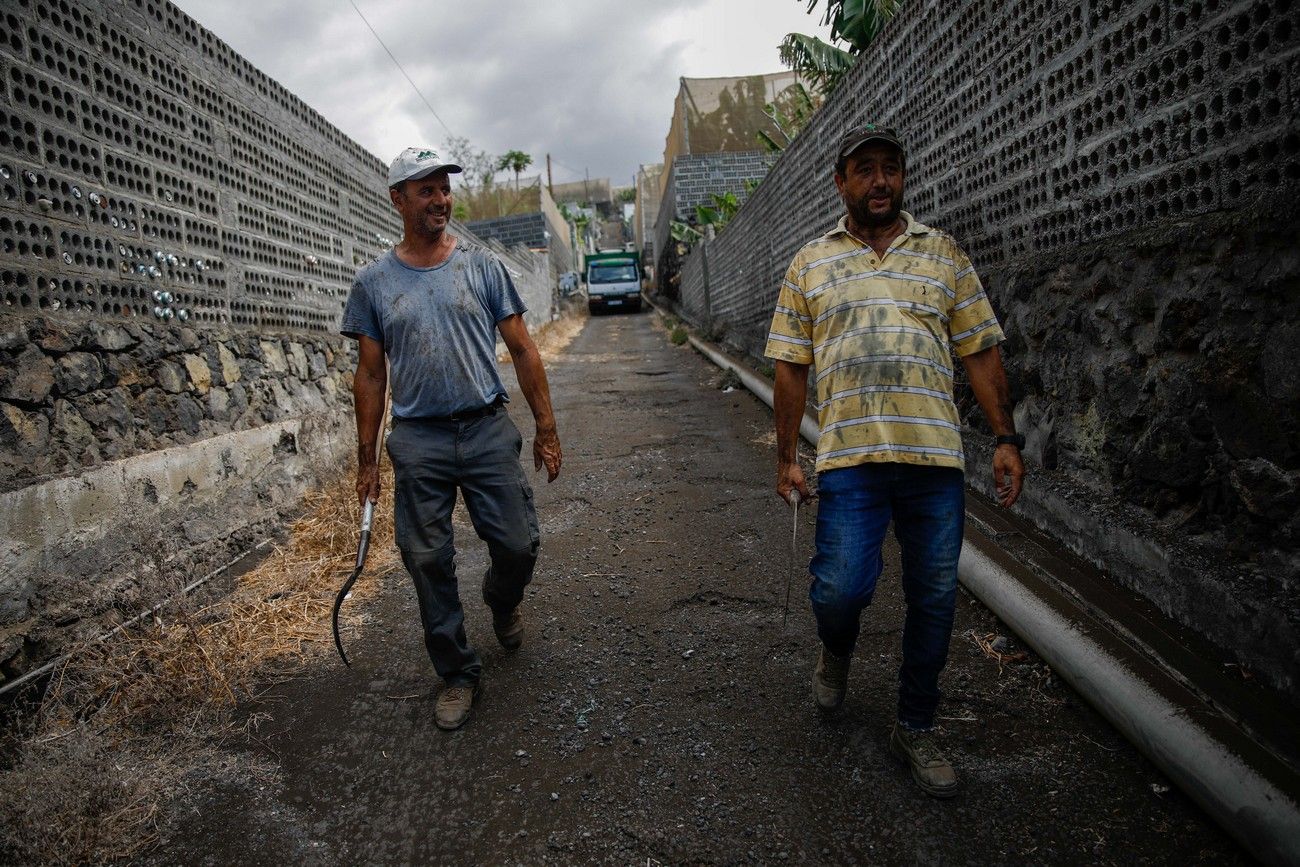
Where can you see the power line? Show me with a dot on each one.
(403, 71)
(578, 174)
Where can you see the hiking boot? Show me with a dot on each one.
(451, 710)
(931, 771)
(830, 680)
(509, 629)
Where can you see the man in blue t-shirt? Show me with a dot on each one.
(432, 305)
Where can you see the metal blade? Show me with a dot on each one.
(794, 539)
(363, 546)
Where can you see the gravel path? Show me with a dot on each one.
(658, 713)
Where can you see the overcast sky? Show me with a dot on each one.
(589, 81)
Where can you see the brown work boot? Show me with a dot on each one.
(451, 710)
(831, 680)
(509, 629)
(932, 772)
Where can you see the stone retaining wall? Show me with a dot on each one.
(138, 456)
(74, 394)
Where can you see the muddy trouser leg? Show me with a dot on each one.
(500, 503)
(929, 513)
(425, 472)
(852, 519)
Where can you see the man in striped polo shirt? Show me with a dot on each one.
(872, 307)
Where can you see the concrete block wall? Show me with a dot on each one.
(694, 305)
(665, 251)
(143, 156)
(140, 155)
(1125, 178)
(559, 244)
(693, 179)
(526, 229)
(534, 277)
(697, 177)
(513, 238)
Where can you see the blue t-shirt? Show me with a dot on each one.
(438, 328)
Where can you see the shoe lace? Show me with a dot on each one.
(459, 693)
(924, 748)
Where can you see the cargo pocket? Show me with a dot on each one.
(519, 441)
(394, 445)
(530, 510)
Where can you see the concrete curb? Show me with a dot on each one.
(1239, 783)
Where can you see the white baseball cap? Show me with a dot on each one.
(415, 163)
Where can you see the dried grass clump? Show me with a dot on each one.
(130, 722)
(555, 337)
(86, 798)
(552, 338)
(987, 643)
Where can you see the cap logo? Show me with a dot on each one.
(426, 155)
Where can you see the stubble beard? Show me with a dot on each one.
(863, 215)
(430, 231)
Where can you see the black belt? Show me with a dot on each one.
(463, 415)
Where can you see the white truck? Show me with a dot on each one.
(613, 281)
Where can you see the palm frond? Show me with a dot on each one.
(820, 63)
(856, 21)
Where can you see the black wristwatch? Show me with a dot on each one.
(1017, 440)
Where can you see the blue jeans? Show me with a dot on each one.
(927, 505)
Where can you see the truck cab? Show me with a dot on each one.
(613, 281)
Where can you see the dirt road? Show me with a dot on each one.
(657, 712)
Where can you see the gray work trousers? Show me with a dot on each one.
(431, 459)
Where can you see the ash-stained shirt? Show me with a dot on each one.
(877, 331)
(438, 328)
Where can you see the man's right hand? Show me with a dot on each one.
(790, 477)
(368, 387)
(368, 484)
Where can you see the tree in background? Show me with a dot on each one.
(479, 197)
(585, 232)
(789, 113)
(515, 161)
(717, 215)
(854, 22)
(480, 167)
(857, 22)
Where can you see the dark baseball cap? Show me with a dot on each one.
(860, 135)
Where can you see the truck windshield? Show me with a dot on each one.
(612, 274)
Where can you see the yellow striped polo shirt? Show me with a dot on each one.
(876, 331)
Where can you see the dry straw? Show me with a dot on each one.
(129, 723)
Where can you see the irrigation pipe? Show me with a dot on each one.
(1241, 785)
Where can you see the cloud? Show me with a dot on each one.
(589, 81)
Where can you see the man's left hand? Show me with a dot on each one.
(1008, 474)
(546, 450)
